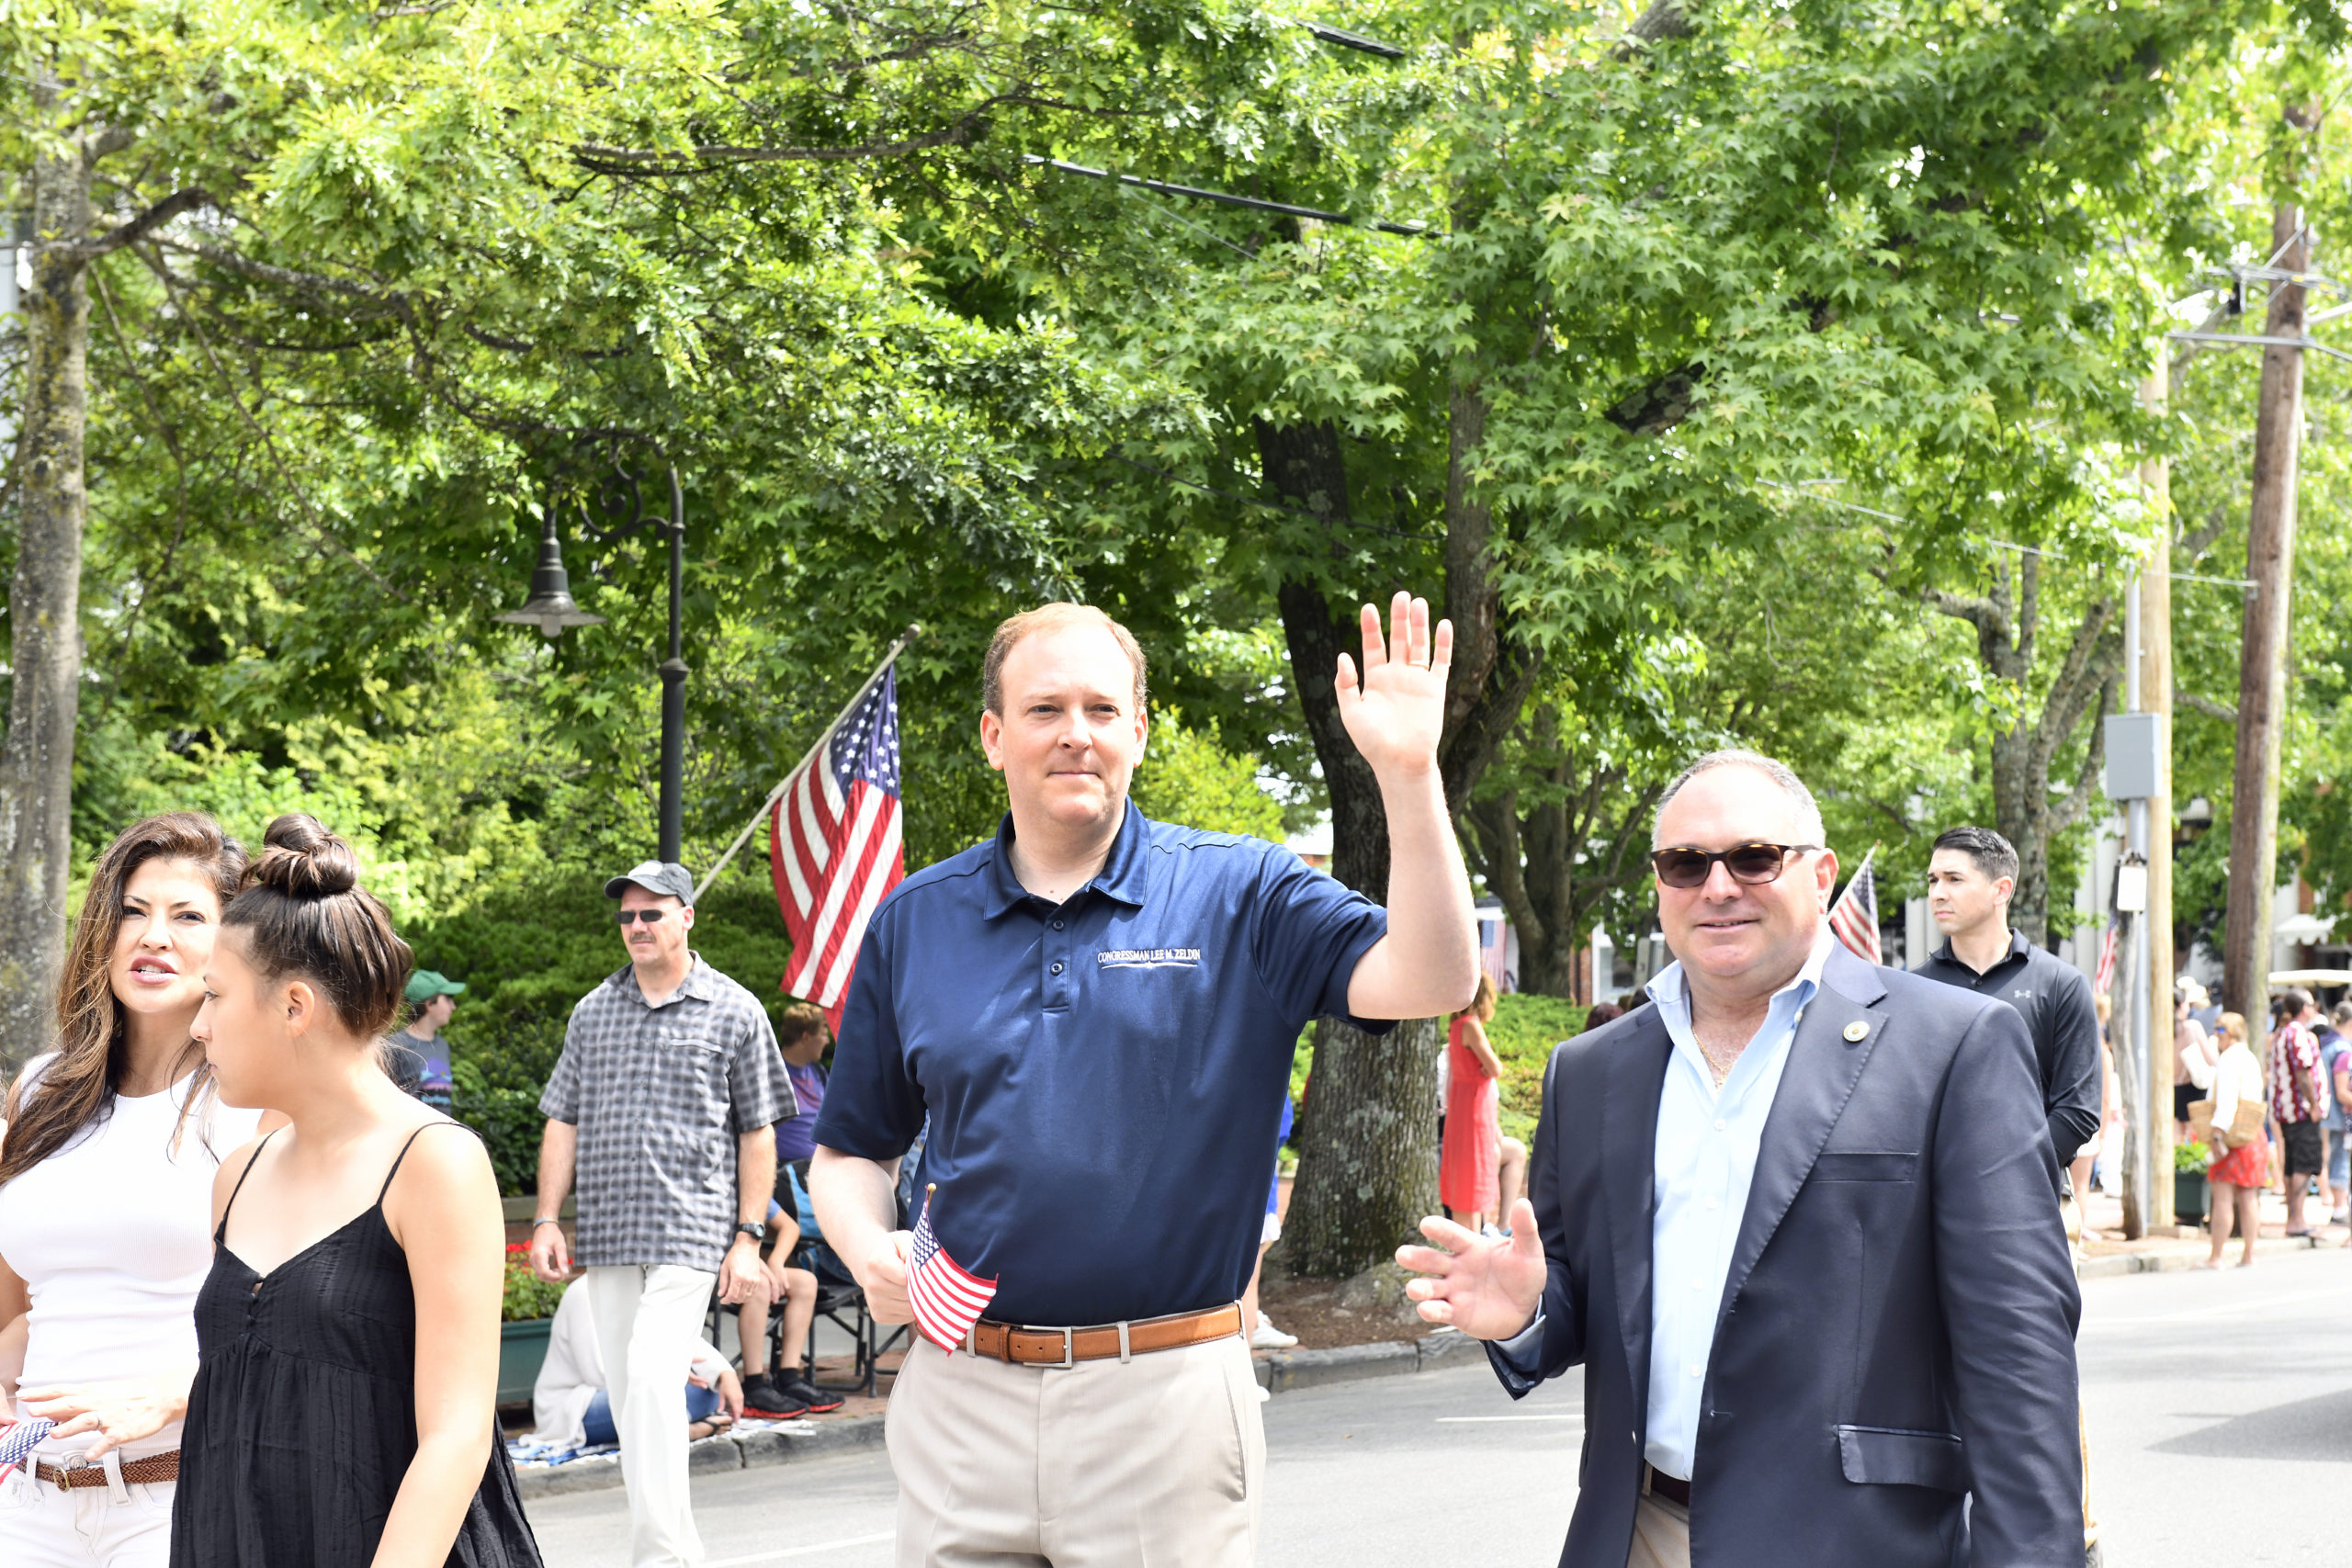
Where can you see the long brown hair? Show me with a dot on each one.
(77, 1089)
(1482, 1004)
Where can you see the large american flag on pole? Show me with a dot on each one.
(947, 1298)
(1853, 920)
(833, 846)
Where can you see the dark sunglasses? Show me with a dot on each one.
(1753, 865)
(648, 916)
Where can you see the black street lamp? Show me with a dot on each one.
(552, 609)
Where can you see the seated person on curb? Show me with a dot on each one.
(570, 1406)
(788, 1393)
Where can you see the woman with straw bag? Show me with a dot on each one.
(2237, 1175)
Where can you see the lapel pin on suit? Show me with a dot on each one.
(1855, 1031)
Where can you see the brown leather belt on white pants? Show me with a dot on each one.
(1067, 1347)
(145, 1472)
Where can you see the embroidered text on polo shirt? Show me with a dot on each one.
(1149, 958)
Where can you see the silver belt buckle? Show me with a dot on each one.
(1069, 1348)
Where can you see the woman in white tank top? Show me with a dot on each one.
(106, 1159)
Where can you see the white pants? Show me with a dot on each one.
(90, 1527)
(1157, 1463)
(648, 1319)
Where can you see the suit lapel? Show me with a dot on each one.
(1822, 1068)
(1629, 1161)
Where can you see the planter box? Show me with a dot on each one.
(522, 1346)
(2188, 1195)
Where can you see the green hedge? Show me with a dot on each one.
(526, 958)
(1525, 1029)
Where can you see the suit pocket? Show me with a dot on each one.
(1839, 1166)
(1883, 1456)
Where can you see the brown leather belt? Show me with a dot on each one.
(135, 1472)
(1673, 1488)
(1067, 1346)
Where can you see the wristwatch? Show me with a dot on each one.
(757, 1232)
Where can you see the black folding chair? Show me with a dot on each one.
(843, 1306)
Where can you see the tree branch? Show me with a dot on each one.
(609, 160)
(2197, 544)
(139, 228)
(2069, 811)
(317, 525)
(1660, 406)
(395, 301)
(2205, 705)
(2089, 665)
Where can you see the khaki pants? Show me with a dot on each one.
(1661, 1534)
(648, 1318)
(1158, 1461)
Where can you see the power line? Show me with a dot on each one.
(1347, 40)
(1410, 230)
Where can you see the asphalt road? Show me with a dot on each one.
(2220, 1408)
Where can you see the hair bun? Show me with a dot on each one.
(302, 860)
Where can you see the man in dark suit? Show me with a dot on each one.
(1796, 1223)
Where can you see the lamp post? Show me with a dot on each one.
(550, 608)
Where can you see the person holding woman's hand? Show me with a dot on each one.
(107, 1154)
(345, 1406)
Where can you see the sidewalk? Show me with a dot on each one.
(2106, 1253)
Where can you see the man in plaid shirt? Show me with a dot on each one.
(2298, 1100)
(661, 1104)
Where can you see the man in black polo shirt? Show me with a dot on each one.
(1970, 878)
(1096, 1013)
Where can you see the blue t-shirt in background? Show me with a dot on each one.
(2331, 1047)
(1103, 1077)
(795, 1136)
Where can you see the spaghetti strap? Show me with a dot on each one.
(385, 1190)
(222, 1228)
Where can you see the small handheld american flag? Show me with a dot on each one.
(2106, 980)
(18, 1442)
(1853, 920)
(947, 1297)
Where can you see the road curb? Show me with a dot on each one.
(2174, 1262)
(1278, 1374)
(753, 1450)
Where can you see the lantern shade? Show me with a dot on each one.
(550, 606)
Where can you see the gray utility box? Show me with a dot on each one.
(2136, 753)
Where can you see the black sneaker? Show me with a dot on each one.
(816, 1401)
(764, 1401)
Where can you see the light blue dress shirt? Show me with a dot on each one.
(1705, 1160)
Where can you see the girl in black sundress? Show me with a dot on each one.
(344, 1412)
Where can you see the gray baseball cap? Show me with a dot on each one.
(666, 877)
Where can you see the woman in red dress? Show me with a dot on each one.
(2235, 1178)
(1467, 1182)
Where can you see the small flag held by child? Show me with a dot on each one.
(946, 1297)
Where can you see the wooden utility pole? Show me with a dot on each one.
(2155, 1114)
(2261, 676)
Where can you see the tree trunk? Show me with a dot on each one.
(44, 604)
(1367, 1169)
(2021, 811)
(2006, 621)
(2262, 670)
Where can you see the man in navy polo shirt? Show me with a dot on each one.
(1096, 1012)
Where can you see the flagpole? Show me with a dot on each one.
(914, 630)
